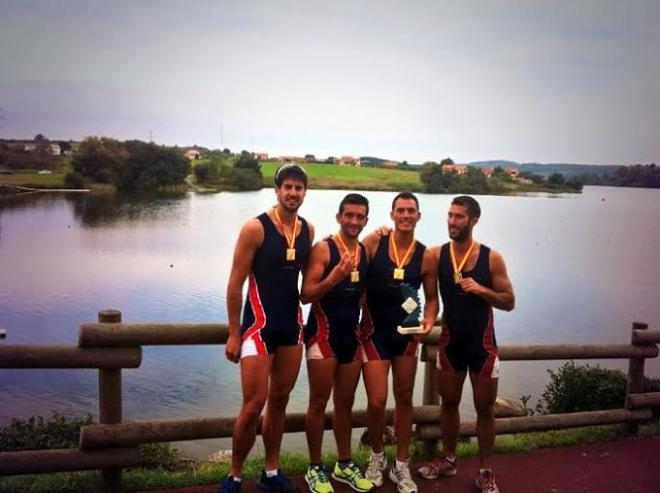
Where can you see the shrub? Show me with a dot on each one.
(575, 388)
(74, 180)
(58, 431)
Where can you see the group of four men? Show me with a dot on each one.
(358, 305)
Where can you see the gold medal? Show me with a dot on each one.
(399, 271)
(458, 267)
(291, 240)
(355, 274)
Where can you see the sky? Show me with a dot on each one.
(528, 81)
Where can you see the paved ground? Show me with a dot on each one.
(631, 466)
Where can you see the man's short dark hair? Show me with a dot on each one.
(473, 209)
(405, 196)
(290, 171)
(354, 199)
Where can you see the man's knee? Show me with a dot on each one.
(403, 396)
(485, 410)
(318, 403)
(376, 404)
(278, 400)
(251, 410)
(343, 401)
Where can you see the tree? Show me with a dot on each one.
(247, 161)
(100, 159)
(432, 177)
(40, 138)
(310, 158)
(447, 160)
(330, 160)
(150, 166)
(556, 179)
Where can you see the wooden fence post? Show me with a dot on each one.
(430, 396)
(110, 405)
(635, 375)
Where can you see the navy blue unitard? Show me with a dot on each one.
(468, 334)
(272, 316)
(383, 312)
(332, 328)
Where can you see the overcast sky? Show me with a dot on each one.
(553, 81)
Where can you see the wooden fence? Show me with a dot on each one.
(110, 346)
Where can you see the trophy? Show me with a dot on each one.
(412, 306)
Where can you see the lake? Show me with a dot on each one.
(583, 266)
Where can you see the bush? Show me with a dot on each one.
(246, 179)
(74, 180)
(37, 433)
(58, 431)
(575, 388)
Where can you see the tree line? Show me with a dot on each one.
(436, 178)
(638, 175)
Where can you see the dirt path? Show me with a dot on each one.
(631, 466)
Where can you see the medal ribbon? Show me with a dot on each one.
(290, 240)
(400, 264)
(357, 250)
(463, 260)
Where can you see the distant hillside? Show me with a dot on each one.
(545, 170)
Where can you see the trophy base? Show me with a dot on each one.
(405, 330)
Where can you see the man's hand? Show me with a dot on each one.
(345, 265)
(383, 230)
(469, 285)
(233, 348)
(427, 326)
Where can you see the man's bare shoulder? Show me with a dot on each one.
(434, 251)
(252, 231)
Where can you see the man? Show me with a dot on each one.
(333, 282)
(271, 250)
(472, 280)
(397, 262)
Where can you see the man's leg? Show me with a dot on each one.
(321, 373)
(254, 383)
(375, 374)
(451, 388)
(283, 375)
(403, 374)
(485, 393)
(345, 382)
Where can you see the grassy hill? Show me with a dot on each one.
(351, 178)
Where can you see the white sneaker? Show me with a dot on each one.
(401, 476)
(377, 464)
(486, 482)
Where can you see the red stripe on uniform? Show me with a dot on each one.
(411, 348)
(301, 325)
(257, 310)
(443, 360)
(322, 332)
(489, 345)
(366, 330)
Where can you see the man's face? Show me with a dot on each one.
(352, 220)
(405, 215)
(291, 194)
(459, 223)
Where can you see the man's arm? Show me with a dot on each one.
(370, 243)
(249, 239)
(313, 288)
(430, 284)
(501, 295)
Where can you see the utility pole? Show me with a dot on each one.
(222, 144)
(151, 136)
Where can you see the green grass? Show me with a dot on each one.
(351, 178)
(32, 179)
(193, 474)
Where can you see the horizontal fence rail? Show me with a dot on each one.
(133, 433)
(60, 460)
(546, 422)
(23, 356)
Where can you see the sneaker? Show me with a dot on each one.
(317, 480)
(486, 482)
(442, 466)
(353, 477)
(278, 483)
(401, 476)
(377, 464)
(229, 485)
